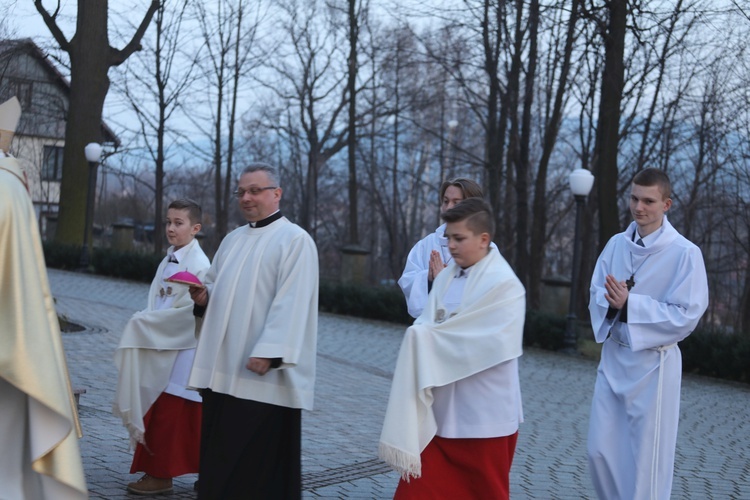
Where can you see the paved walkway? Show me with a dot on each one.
(355, 363)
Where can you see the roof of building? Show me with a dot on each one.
(11, 48)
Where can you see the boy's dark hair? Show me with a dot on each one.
(469, 188)
(195, 212)
(477, 214)
(654, 177)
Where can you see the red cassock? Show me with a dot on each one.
(462, 468)
(173, 437)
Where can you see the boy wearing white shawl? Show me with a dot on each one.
(154, 358)
(455, 405)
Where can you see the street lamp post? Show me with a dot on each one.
(452, 125)
(93, 153)
(581, 181)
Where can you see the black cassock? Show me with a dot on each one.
(249, 450)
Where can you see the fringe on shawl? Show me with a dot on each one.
(406, 464)
(136, 435)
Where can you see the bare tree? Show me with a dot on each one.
(354, 13)
(549, 139)
(155, 85)
(310, 71)
(91, 57)
(230, 30)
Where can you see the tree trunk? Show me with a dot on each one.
(161, 127)
(495, 130)
(91, 56)
(351, 140)
(608, 128)
(518, 150)
(89, 64)
(229, 177)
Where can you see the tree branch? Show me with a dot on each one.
(49, 20)
(119, 56)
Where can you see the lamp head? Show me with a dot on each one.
(93, 151)
(581, 182)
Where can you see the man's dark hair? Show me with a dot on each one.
(477, 214)
(195, 212)
(271, 172)
(654, 177)
(469, 188)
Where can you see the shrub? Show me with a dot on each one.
(61, 256)
(127, 265)
(104, 261)
(384, 303)
(544, 330)
(716, 353)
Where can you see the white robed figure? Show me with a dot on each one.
(414, 281)
(430, 254)
(661, 277)
(256, 354)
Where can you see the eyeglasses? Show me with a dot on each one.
(254, 191)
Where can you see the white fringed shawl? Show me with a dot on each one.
(485, 330)
(150, 343)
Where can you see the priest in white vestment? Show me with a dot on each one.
(255, 360)
(39, 428)
(431, 255)
(648, 292)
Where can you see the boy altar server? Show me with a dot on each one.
(154, 359)
(452, 420)
(648, 292)
(256, 354)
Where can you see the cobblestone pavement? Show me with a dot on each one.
(355, 363)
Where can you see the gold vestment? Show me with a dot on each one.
(32, 359)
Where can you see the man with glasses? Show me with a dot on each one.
(255, 360)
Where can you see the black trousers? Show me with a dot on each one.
(249, 450)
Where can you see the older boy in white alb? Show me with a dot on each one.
(648, 292)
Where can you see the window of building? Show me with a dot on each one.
(52, 163)
(23, 89)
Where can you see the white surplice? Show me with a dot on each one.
(635, 409)
(263, 302)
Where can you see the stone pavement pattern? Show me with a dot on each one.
(355, 363)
